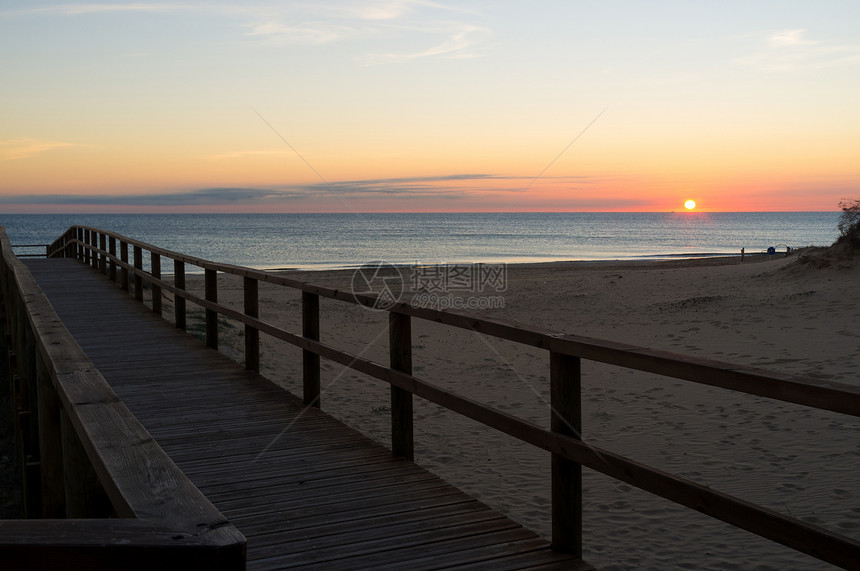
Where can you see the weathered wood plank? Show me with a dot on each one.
(209, 415)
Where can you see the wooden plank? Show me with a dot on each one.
(87, 545)
(389, 499)
(379, 543)
(505, 550)
(271, 529)
(356, 483)
(94, 448)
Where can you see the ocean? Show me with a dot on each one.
(326, 241)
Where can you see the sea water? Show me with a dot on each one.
(324, 241)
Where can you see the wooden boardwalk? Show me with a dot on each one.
(303, 488)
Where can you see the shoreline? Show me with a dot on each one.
(702, 258)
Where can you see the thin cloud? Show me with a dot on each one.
(201, 197)
(793, 50)
(393, 9)
(319, 24)
(305, 33)
(790, 38)
(101, 8)
(459, 38)
(453, 186)
(14, 149)
(377, 22)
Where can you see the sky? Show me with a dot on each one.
(424, 106)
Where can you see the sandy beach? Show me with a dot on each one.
(781, 315)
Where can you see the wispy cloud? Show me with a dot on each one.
(451, 186)
(793, 50)
(457, 39)
(378, 24)
(392, 9)
(446, 30)
(313, 33)
(106, 7)
(790, 38)
(13, 149)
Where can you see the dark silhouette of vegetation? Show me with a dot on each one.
(845, 251)
(849, 222)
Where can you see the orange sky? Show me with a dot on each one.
(412, 106)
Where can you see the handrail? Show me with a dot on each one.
(562, 440)
(85, 457)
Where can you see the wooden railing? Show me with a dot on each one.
(99, 493)
(569, 453)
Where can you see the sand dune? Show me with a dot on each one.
(777, 315)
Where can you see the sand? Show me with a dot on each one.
(778, 315)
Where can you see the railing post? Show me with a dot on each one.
(71, 234)
(80, 249)
(565, 398)
(94, 241)
(178, 301)
(112, 251)
(123, 272)
(102, 256)
(311, 360)
(155, 270)
(86, 246)
(27, 414)
(138, 280)
(85, 496)
(252, 334)
(211, 315)
(50, 444)
(400, 349)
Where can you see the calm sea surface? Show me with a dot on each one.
(322, 241)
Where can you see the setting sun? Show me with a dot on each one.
(690, 204)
